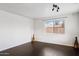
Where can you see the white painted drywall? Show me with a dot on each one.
(14, 30)
(71, 30)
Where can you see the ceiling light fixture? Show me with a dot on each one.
(55, 7)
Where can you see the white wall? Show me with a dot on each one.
(71, 30)
(14, 30)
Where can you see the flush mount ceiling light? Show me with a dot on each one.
(55, 7)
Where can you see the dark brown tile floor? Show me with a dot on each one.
(40, 49)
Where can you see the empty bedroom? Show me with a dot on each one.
(39, 29)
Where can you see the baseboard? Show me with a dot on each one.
(13, 47)
(55, 44)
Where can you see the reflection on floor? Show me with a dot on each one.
(40, 49)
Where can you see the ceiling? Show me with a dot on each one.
(39, 10)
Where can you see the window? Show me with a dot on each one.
(54, 26)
